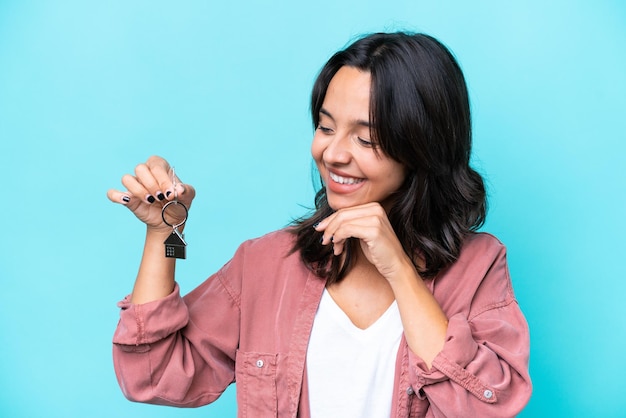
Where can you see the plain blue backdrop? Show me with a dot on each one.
(90, 89)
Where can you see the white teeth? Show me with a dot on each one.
(344, 180)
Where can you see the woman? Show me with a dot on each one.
(383, 302)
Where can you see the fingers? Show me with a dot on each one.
(360, 213)
(377, 239)
(150, 188)
(116, 196)
(135, 185)
(153, 181)
(365, 222)
(124, 198)
(185, 193)
(165, 180)
(160, 178)
(367, 229)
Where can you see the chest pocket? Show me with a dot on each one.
(255, 374)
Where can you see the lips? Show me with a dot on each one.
(341, 184)
(343, 179)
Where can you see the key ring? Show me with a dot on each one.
(174, 202)
(174, 184)
(175, 245)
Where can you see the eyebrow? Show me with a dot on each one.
(359, 122)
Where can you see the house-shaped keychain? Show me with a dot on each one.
(175, 245)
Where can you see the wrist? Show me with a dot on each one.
(161, 231)
(405, 272)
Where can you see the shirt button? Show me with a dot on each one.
(259, 363)
(488, 394)
(410, 391)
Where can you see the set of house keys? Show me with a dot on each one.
(175, 245)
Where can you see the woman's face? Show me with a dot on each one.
(353, 171)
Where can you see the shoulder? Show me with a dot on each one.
(480, 275)
(480, 242)
(481, 251)
(261, 265)
(270, 244)
(271, 250)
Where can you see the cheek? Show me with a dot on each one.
(317, 149)
(397, 175)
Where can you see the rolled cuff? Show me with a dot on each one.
(147, 323)
(459, 350)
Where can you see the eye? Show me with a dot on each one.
(324, 129)
(365, 142)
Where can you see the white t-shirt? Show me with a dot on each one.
(350, 370)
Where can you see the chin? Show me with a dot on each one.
(337, 203)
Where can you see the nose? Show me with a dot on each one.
(338, 150)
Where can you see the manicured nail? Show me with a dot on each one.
(315, 225)
(160, 196)
(168, 193)
(126, 199)
(150, 198)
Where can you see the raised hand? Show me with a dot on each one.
(423, 320)
(152, 186)
(370, 225)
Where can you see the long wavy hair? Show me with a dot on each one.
(420, 117)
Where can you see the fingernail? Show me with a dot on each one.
(126, 199)
(315, 225)
(150, 198)
(160, 196)
(168, 193)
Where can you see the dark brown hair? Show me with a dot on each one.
(420, 117)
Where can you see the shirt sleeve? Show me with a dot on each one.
(482, 370)
(163, 354)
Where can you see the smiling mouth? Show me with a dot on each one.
(344, 180)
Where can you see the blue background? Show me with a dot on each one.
(90, 89)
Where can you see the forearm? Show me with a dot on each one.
(424, 322)
(148, 192)
(155, 278)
